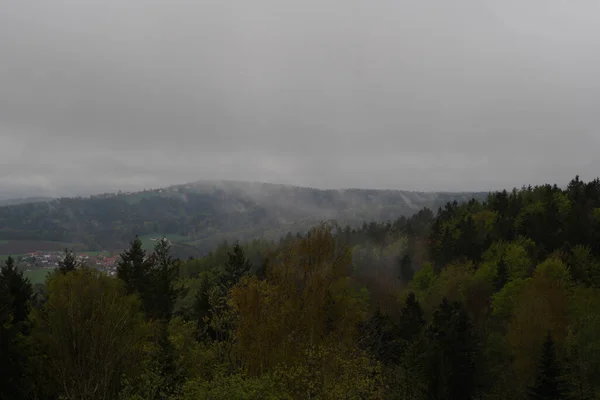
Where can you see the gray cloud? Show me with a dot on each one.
(463, 95)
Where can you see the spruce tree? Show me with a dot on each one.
(68, 263)
(406, 270)
(9, 378)
(380, 336)
(19, 289)
(134, 269)
(170, 376)
(411, 320)
(237, 266)
(165, 270)
(548, 383)
(15, 302)
(202, 309)
(501, 275)
(449, 355)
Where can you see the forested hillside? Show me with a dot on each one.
(201, 215)
(491, 299)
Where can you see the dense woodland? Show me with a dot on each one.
(493, 299)
(203, 215)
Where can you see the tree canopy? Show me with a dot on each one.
(491, 298)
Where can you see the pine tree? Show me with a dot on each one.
(9, 378)
(406, 271)
(68, 263)
(19, 289)
(468, 244)
(15, 304)
(237, 266)
(170, 376)
(502, 275)
(380, 336)
(449, 354)
(548, 383)
(165, 270)
(411, 320)
(202, 308)
(261, 271)
(134, 269)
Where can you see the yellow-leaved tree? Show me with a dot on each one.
(308, 307)
(90, 333)
(541, 306)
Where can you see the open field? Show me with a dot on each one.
(4, 257)
(28, 246)
(95, 253)
(37, 275)
(149, 244)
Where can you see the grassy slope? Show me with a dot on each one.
(37, 275)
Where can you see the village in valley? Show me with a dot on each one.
(103, 260)
(106, 261)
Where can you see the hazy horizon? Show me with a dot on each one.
(465, 96)
(79, 192)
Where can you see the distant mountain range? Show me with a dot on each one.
(200, 215)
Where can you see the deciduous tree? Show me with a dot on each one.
(90, 331)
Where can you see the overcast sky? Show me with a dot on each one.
(416, 95)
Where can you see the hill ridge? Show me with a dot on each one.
(205, 213)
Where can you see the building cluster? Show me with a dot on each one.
(45, 259)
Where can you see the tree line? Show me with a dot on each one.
(493, 299)
(200, 217)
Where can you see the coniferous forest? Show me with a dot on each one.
(494, 299)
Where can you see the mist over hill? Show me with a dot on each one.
(23, 200)
(201, 214)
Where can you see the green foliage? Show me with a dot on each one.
(15, 350)
(37, 276)
(412, 319)
(20, 291)
(235, 386)
(89, 332)
(453, 283)
(330, 314)
(504, 302)
(197, 217)
(548, 385)
(68, 263)
(163, 276)
(424, 278)
(380, 335)
(237, 266)
(406, 270)
(152, 277)
(133, 268)
(563, 205)
(554, 270)
(201, 307)
(584, 342)
(171, 357)
(448, 354)
(542, 306)
(501, 277)
(519, 263)
(584, 266)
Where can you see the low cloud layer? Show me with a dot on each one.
(462, 95)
